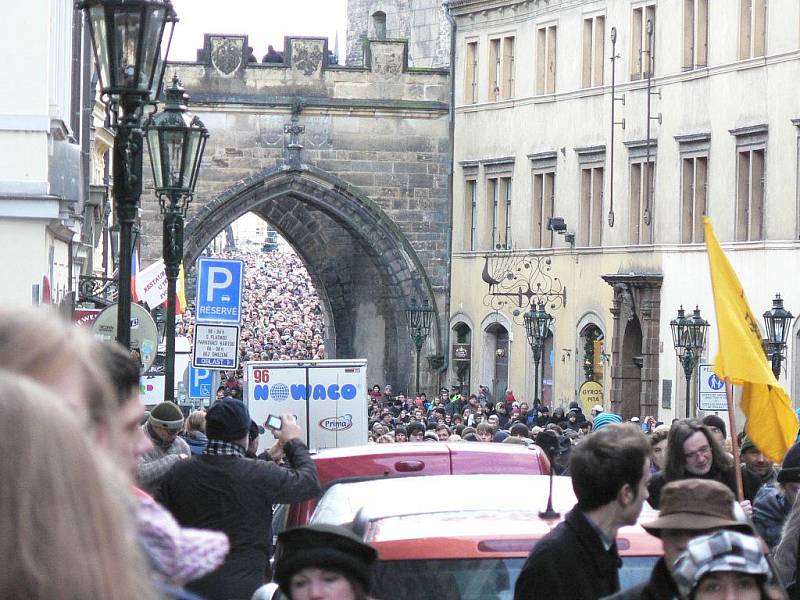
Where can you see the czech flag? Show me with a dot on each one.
(134, 273)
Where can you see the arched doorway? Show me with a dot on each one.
(629, 378)
(496, 348)
(362, 265)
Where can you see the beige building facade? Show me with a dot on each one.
(534, 140)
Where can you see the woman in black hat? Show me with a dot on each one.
(324, 562)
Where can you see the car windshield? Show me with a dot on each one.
(472, 579)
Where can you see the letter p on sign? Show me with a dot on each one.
(215, 282)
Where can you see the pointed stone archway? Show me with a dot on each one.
(636, 310)
(360, 262)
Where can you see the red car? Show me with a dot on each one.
(378, 461)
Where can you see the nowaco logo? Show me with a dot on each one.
(340, 423)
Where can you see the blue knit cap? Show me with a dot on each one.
(605, 418)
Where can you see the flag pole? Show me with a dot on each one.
(737, 464)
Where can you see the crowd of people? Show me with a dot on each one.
(281, 313)
(102, 502)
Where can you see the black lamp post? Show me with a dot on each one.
(127, 40)
(689, 338)
(419, 325)
(537, 325)
(777, 321)
(176, 140)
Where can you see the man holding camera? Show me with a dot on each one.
(225, 491)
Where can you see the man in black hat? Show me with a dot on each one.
(225, 491)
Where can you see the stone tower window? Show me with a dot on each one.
(379, 24)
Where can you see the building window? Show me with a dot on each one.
(470, 214)
(379, 25)
(752, 28)
(642, 41)
(471, 79)
(500, 193)
(641, 202)
(750, 178)
(591, 213)
(543, 207)
(546, 59)
(501, 65)
(695, 34)
(593, 51)
(694, 194)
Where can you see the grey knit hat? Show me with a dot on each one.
(167, 415)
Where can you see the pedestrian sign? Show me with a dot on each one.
(219, 290)
(711, 390)
(200, 383)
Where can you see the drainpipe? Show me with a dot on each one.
(451, 113)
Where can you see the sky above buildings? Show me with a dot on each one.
(264, 21)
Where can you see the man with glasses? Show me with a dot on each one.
(693, 452)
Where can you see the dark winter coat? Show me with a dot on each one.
(574, 545)
(750, 483)
(769, 514)
(235, 495)
(660, 586)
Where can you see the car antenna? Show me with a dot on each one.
(547, 440)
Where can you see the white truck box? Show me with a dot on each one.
(329, 398)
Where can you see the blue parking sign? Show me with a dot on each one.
(219, 290)
(200, 383)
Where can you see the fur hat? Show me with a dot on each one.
(167, 415)
(329, 547)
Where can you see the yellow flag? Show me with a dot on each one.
(180, 295)
(771, 422)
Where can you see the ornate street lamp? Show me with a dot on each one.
(689, 339)
(127, 42)
(419, 325)
(537, 326)
(777, 321)
(176, 140)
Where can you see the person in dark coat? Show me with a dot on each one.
(689, 508)
(610, 470)
(693, 451)
(224, 491)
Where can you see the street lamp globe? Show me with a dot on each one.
(176, 140)
(127, 41)
(777, 321)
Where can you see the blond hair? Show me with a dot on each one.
(63, 530)
(196, 421)
(39, 344)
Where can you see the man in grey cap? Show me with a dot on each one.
(689, 508)
(162, 427)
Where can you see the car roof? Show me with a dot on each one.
(466, 516)
(382, 498)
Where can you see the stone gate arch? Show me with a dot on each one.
(362, 265)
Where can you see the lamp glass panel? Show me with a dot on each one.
(190, 157)
(173, 157)
(154, 145)
(97, 20)
(154, 20)
(127, 25)
(779, 325)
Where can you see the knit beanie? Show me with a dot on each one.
(227, 420)
(605, 418)
(790, 469)
(167, 415)
(747, 443)
(715, 421)
(328, 547)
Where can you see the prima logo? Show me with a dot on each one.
(340, 423)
